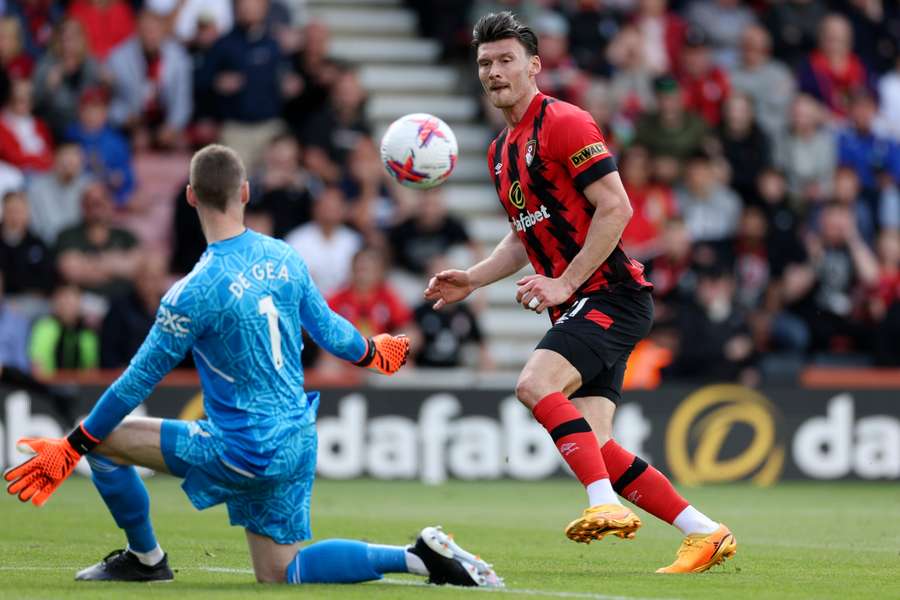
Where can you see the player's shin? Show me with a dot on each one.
(577, 444)
(350, 561)
(642, 484)
(126, 497)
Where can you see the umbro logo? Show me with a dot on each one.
(173, 323)
(497, 168)
(568, 448)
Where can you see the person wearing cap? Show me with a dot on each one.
(106, 151)
(151, 83)
(670, 130)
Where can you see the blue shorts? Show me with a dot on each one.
(276, 507)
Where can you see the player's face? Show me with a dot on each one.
(506, 71)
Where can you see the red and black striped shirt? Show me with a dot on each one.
(540, 170)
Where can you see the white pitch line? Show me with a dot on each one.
(515, 591)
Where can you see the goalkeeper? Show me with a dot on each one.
(240, 310)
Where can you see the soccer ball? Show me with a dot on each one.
(419, 151)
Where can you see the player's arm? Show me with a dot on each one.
(171, 336)
(383, 353)
(453, 285)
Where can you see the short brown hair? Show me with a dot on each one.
(504, 25)
(217, 174)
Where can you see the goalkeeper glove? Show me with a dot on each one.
(385, 353)
(54, 460)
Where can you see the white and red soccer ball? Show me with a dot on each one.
(419, 151)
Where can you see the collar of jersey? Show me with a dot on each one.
(528, 117)
(233, 243)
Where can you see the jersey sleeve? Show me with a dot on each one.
(576, 141)
(179, 323)
(328, 329)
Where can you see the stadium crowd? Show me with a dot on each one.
(759, 143)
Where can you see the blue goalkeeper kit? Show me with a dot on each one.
(240, 310)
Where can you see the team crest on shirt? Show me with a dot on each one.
(530, 148)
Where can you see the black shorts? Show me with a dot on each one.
(597, 334)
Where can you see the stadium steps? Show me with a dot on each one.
(402, 74)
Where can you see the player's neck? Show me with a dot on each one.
(219, 226)
(514, 114)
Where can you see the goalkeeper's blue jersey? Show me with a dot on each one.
(241, 310)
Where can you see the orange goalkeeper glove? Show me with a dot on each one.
(54, 460)
(385, 353)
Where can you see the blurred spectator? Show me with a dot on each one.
(862, 149)
(751, 258)
(151, 85)
(884, 302)
(131, 316)
(599, 103)
(714, 334)
(704, 85)
(443, 335)
(331, 135)
(282, 188)
(63, 74)
(888, 122)
(841, 261)
(11, 179)
(428, 233)
(316, 71)
(373, 208)
(888, 209)
(13, 59)
(847, 191)
(671, 271)
(631, 85)
(722, 21)
(662, 32)
(93, 254)
(807, 152)
(106, 23)
(106, 153)
(24, 259)
(25, 140)
(874, 31)
(592, 26)
(326, 244)
(14, 330)
(367, 300)
(243, 69)
(653, 205)
(61, 340)
(744, 145)
(36, 21)
(191, 15)
(55, 197)
(560, 76)
(188, 242)
(670, 131)
(711, 210)
(832, 72)
(794, 25)
(783, 241)
(767, 81)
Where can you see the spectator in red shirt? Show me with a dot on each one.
(13, 59)
(25, 140)
(832, 72)
(884, 303)
(662, 32)
(653, 205)
(368, 301)
(106, 23)
(705, 86)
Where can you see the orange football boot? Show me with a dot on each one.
(700, 551)
(599, 521)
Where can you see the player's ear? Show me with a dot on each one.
(191, 196)
(534, 65)
(245, 192)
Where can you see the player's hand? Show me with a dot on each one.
(448, 287)
(38, 477)
(537, 292)
(386, 353)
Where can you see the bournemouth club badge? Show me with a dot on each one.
(530, 147)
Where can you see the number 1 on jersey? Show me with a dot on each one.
(267, 307)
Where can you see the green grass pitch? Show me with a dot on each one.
(821, 540)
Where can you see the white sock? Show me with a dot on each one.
(691, 520)
(148, 558)
(415, 565)
(601, 492)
